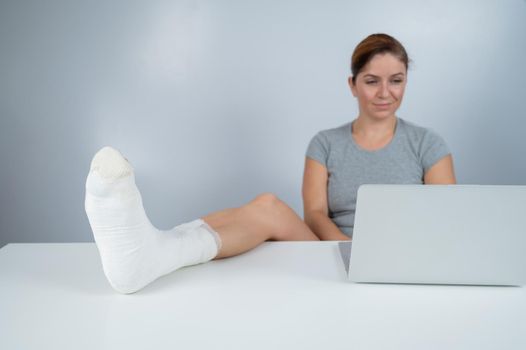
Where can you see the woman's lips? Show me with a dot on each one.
(382, 105)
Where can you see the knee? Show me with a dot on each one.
(267, 201)
(268, 207)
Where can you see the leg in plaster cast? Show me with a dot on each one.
(134, 253)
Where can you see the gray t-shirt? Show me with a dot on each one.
(411, 152)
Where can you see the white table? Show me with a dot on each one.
(282, 295)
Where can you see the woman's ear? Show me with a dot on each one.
(352, 85)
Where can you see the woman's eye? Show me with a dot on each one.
(397, 81)
(370, 82)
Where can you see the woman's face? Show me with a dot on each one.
(380, 86)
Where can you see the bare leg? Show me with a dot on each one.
(265, 218)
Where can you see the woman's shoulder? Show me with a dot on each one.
(324, 141)
(426, 144)
(335, 134)
(415, 132)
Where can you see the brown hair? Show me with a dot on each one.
(373, 45)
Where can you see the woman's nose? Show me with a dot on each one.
(383, 90)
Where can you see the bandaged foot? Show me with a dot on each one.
(133, 252)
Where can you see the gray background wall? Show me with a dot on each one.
(214, 102)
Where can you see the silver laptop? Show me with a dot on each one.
(438, 234)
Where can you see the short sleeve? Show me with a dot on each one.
(318, 149)
(433, 148)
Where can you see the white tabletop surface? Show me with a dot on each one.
(282, 295)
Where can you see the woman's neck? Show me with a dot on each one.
(365, 127)
(373, 134)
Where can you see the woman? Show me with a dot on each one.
(377, 147)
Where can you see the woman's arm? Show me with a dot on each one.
(442, 173)
(315, 207)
